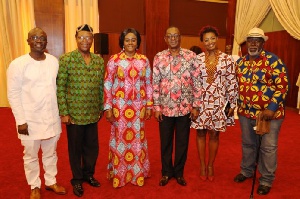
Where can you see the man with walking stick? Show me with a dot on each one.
(263, 86)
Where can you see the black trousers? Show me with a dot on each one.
(180, 126)
(83, 149)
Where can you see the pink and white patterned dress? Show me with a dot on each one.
(128, 92)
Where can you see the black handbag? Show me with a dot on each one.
(226, 109)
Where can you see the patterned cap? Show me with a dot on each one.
(84, 27)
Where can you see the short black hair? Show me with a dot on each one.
(125, 32)
(207, 29)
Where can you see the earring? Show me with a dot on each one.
(123, 48)
(136, 49)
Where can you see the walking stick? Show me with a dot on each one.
(256, 163)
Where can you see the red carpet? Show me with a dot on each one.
(286, 186)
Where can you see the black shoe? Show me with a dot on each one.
(263, 190)
(239, 178)
(181, 181)
(78, 190)
(93, 182)
(164, 180)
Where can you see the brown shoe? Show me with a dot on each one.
(56, 189)
(164, 180)
(181, 181)
(35, 193)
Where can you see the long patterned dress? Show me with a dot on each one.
(217, 89)
(128, 91)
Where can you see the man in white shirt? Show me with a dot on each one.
(31, 90)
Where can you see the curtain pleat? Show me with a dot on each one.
(288, 14)
(78, 12)
(249, 14)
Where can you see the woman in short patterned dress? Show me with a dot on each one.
(128, 103)
(219, 86)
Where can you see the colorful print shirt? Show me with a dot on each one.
(262, 85)
(80, 87)
(176, 88)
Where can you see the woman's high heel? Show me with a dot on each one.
(210, 175)
(203, 175)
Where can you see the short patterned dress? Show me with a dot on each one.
(219, 85)
(128, 92)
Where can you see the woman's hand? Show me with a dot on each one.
(230, 112)
(194, 114)
(148, 114)
(110, 116)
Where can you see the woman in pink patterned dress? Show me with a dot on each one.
(219, 86)
(128, 103)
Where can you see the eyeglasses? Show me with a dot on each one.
(36, 38)
(87, 38)
(175, 36)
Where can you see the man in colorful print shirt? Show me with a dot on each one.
(176, 96)
(80, 99)
(263, 86)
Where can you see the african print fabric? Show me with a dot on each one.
(80, 87)
(128, 91)
(217, 89)
(262, 85)
(176, 88)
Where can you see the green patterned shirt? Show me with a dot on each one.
(80, 87)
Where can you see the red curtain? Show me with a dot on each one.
(157, 21)
(287, 48)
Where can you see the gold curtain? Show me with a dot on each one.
(249, 14)
(288, 14)
(16, 19)
(78, 12)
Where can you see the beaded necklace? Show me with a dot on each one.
(211, 66)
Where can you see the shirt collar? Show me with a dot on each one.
(170, 54)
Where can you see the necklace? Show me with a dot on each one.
(211, 66)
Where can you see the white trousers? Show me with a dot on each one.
(49, 159)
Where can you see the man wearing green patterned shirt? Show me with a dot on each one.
(80, 100)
